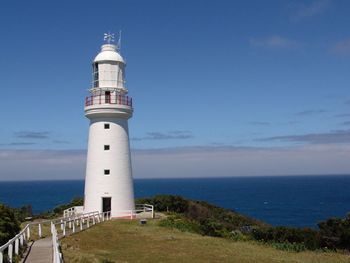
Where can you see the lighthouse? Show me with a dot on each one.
(108, 180)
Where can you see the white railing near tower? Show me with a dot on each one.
(74, 210)
(143, 210)
(74, 224)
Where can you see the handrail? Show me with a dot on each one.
(96, 217)
(20, 239)
(72, 211)
(108, 99)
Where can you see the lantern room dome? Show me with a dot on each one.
(109, 53)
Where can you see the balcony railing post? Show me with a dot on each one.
(100, 99)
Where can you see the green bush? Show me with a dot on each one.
(296, 247)
(167, 203)
(286, 235)
(335, 233)
(9, 225)
(180, 223)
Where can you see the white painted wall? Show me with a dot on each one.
(119, 184)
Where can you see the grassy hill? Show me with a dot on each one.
(127, 241)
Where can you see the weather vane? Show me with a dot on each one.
(108, 37)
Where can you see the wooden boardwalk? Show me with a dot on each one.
(40, 251)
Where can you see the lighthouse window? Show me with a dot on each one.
(106, 172)
(106, 126)
(95, 72)
(106, 147)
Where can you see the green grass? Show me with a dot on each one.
(127, 241)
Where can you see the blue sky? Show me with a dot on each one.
(208, 78)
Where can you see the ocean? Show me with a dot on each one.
(298, 201)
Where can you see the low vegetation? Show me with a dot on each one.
(128, 241)
(9, 224)
(196, 231)
(209, 220)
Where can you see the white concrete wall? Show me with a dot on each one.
(119, 184)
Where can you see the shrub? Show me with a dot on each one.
(308, 237)
(211, 227)
(335, 233)
(180, 223)
(167, 203)
(9, 225)
(296, 247)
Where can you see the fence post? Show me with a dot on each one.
(16, 246)
(1, 257)
(21, 240)
(64, 228)
(61, 224)
(93, 219)
(88, 222)
(10, 252)
(39, 230)
(81, 224)
(73, 226)
(28, 232)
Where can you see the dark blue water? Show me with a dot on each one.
(290, 201)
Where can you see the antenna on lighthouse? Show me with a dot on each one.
(119, 44)
(108, 37)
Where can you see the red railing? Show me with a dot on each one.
(108, 99)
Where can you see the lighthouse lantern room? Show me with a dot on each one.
(108, 181)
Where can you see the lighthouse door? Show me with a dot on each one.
(107, 97)
(106, 204)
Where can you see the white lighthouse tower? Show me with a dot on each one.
(108, 181)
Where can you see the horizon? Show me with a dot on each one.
(220, 89)
(188, 178)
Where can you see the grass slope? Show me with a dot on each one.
(127, 241)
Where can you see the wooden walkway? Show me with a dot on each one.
(40, 251)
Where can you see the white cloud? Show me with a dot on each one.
(342, 47)
(274, 42)
(208, 161)
(317, 7)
